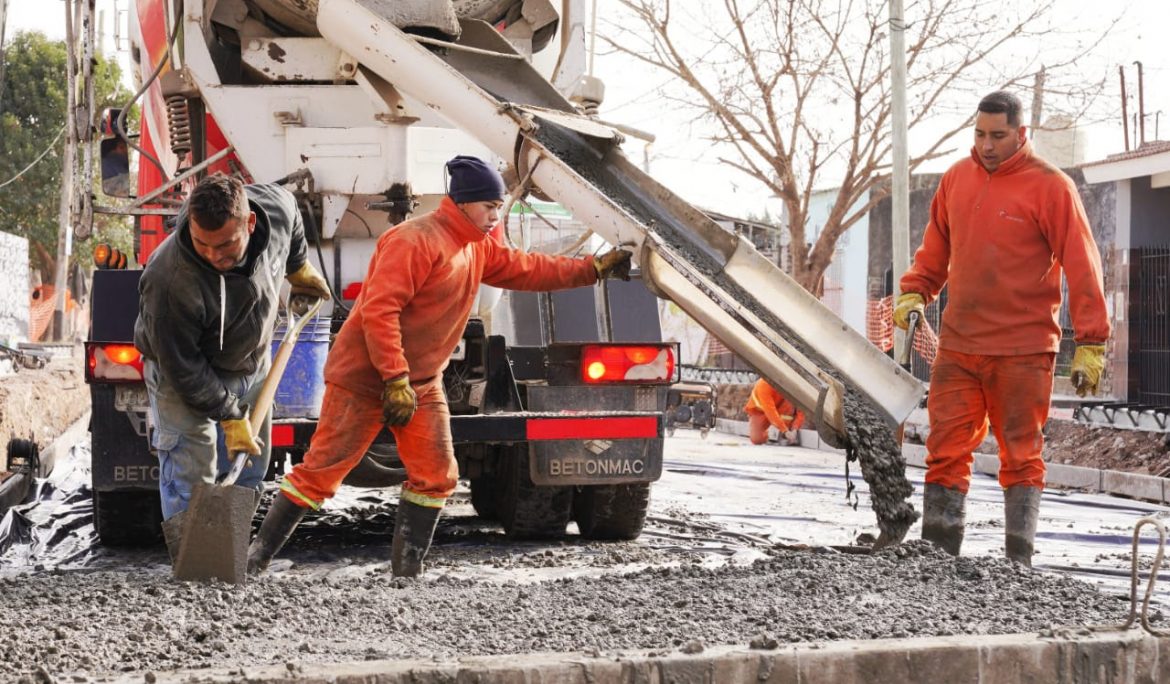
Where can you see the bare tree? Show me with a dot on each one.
(798, 90)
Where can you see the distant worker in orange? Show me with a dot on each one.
(768, 408)
(386, 366)
(1003, 225)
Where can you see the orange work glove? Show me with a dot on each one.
(398, 401)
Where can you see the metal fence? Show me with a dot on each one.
(1150, 324)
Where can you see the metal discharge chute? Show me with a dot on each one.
(482, 85)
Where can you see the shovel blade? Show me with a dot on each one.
(216, 529)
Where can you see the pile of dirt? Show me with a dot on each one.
(1091, 446)
(39, 404)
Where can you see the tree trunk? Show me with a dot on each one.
(48, 261)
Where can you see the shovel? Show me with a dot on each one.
(217, 524)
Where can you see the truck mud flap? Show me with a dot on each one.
(122, 460)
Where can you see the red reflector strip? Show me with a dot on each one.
(625, 427)
(282, 435)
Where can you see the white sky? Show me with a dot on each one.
(691, 168)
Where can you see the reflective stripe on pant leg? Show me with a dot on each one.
(958, 419)
(426, 449)
(184, 442)
(1019, 389)
(348, 424)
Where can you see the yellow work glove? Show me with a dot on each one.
(307, 281)
(613, 264)
(398, 401)
(1087, 365)
(237, 436)
(907, 302)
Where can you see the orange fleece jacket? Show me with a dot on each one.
(1000, 239)
(418, 292)
(774, 406)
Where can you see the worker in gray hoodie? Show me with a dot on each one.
(207, 309)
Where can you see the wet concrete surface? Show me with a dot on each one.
(715, 566)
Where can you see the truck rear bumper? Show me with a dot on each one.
(513, 427)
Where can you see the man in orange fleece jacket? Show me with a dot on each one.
(1003, 224)
(767, 407)
(386, 365)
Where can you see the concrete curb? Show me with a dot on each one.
(1079, 656)
(1131, 485)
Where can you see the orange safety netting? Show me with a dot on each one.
(879, 328)
(42, 303)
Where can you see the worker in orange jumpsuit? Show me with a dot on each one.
(767, 407)
(1003, 224)
(386, 365)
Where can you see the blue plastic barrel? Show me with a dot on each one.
(302, 387)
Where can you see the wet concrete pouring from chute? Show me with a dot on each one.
(738, 549)
(871, 439)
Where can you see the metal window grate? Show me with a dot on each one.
(1150, 325)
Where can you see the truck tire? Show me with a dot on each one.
(611, 511)
(525, 510)
(485, 495)
(127, 517)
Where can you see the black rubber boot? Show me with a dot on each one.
(413, 528)
(944, 513)
(1021, 509)
(172, 529)
(283, 517)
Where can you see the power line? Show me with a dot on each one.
(34, 162)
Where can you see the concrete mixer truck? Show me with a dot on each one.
(355, 105)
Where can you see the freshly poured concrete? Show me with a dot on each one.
(708, 579)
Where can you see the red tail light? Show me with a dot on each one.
(112, 363)
(603, 363)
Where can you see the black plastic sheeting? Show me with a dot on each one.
(53, 526)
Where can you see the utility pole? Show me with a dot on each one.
(1124, 113)
(1037, 101)
(1141, 107)
(65, 229)
(900, 175)
(3, 25)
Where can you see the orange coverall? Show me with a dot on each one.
(1000, 240)
(410, 315)
(765, 402)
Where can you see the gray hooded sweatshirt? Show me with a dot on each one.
(199, 324)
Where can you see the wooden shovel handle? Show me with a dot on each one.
(268, 390)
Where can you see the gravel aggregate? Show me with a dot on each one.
(84, 625)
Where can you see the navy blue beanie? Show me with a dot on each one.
(472, 180)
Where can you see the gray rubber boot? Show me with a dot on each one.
(1021, 509)
(172, 529)
(283, 517)
(944, 512)
(413, 529)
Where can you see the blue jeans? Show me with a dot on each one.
(190, 446)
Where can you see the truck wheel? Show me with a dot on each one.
(127, 518)
(525, 510)
(611, 511)
(485, 495)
